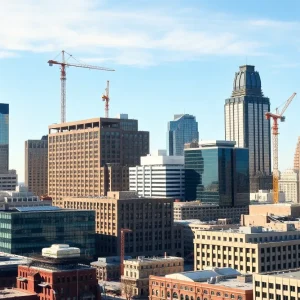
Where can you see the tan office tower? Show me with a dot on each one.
(36, 166)
(91, 157)
(297, 155)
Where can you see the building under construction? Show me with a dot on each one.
(92, 157)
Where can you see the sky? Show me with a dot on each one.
(170, 57)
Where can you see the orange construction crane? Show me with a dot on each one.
(105, 97)
(277, 116)
(63, 64)
(123, 232)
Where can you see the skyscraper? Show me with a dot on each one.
(4, 143)
(245, 123)
(36, 166)
(183, 129)
(297, 156)
(216, 172)
(92, 157)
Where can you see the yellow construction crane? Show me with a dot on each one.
(277, 116)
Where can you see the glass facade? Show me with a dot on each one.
(184, 129)
(217, 175)
(29, 232)
(4, 122)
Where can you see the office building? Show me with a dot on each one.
(27, 230)
(190, 227)
(245, 123)
(217, 172)
(8, 180)
(151, 220)
(183, 129)
(158, 176)
(108, 268)
(19, 198)
(279, 209)
(249, 249)
(4, 137)
(289, 185)
(9, 269)
(297, 155)
(283, 285)
(92, 157)
(214, 284)
(59, 277)
(207, 212)
(137, 272)
(36, 166)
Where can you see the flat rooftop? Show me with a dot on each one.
(291, 274)
(235, 284)
(10, 293)
(152, 259)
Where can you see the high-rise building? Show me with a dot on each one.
(4, 137)
(245, 123)
(289, 184)
(158, 176)
(217, 172)
(36, 166)
(92, 157)
(150, 219)
(183, 129)
(297, 156)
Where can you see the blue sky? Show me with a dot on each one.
(170, 57)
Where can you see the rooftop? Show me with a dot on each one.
(204, 275)
(10, 260)
(144, 259)
(235, 284)
(291, 274)
(195, 204)
(48, 208)
(10, 293)
(213, 143)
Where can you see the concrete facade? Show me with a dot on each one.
(137, 271)
(266, 196)
(8, 180)
(249, 249)
(36, 166)
(87, 158)
(151, 218)
(290, 185)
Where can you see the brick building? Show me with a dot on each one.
(58, 278)
(215, 284)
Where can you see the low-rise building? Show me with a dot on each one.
(16, 294)
(137, 272)
(9, 269)
(207, 212)
(158, 176)
(279, 209)
(283, 285)
(215, 284)
(266, 196)
(248, 249)
(108, 268)
(59, 277)
(27, 230)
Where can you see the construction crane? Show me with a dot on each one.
(63, 64)
(277, 116)
(105, 97)
(123, 232)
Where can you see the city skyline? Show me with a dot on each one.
(185, 68)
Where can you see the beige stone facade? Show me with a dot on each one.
(289, 185)
(279, 209)
(36, 166)
(137, 272)
(92, 157)
(283, 285)
(206, 212)
(151, 221)
(249, 249)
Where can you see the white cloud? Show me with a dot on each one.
(7, 54)
(125, 36)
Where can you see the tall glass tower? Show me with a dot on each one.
(4, 143)
(183, 129)
(245, 123)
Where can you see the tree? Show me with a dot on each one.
(127, 289)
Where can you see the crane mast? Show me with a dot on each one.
(105, 97)
(278, 116)
(63, 64)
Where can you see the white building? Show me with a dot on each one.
(158, 176)
(8, 180)
(289, 184)
(266, 196)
